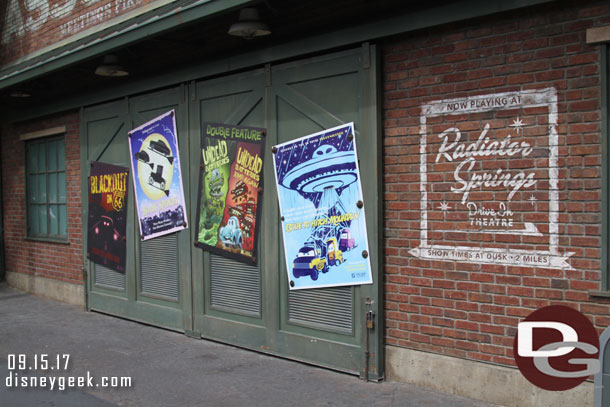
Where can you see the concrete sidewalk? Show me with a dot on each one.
(170, 369)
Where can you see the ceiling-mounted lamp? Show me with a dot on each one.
(249, 25)
(110, 67)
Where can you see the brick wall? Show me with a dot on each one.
(51, 260)
(470, 309)
(24, 31)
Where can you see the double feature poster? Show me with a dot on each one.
(230, 186)
(322, 209)
(157, 178)
(107, 220)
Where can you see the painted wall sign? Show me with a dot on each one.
(489, 179)
(323, 226)
(230, 190)
(25, 16)
(155, 163)
(107, 218)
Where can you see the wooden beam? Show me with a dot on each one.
(43, 133)
(598, 34)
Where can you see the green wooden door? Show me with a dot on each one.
(156, 285)
(103, 130)
(228, 295)
(252, 306)
(306, 97)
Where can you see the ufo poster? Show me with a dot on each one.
(230, 190)
(107, 218)
(155, 163)
(323, 222)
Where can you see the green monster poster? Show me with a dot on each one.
(230, 190)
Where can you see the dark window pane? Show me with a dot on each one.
(42, 219)
(53, 187)
(53, 220)
(32, 185)
(52, 155)
(61, 184)
(42, 157)
(63, 220)
(34, 228)
(42, 188)
(61, 155)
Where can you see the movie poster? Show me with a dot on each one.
(322, 209)
(155, 163)
(107, 219)
(230, 190)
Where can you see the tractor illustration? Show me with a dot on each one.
(346, 241)
(315, 257)
(334, 254)
(310, 261)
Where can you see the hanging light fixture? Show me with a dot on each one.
(110, 67)
(249, 25)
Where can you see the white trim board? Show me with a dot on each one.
(43, 133)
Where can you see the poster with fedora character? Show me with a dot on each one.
(155, 163)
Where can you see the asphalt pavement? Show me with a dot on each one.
(43, 343)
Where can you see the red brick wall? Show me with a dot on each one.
(51, 260)
(47, 25)
(470, 309)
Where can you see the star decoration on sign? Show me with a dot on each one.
(518, 125)
(444, 206)
(532, 199)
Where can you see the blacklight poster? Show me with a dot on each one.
(107, 215)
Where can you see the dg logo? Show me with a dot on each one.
(556, 348)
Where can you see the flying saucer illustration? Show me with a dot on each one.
(327, 169)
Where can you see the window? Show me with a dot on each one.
(46, 189)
